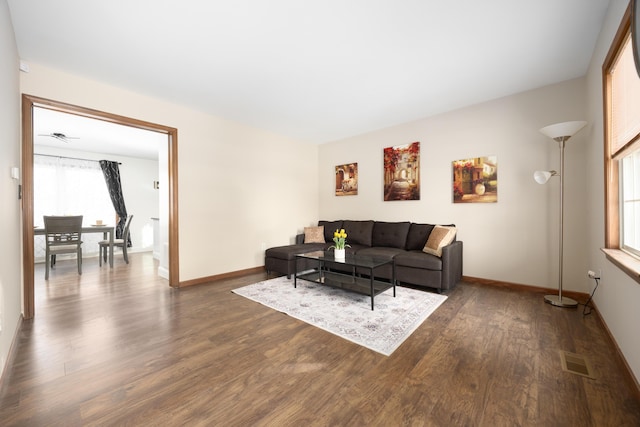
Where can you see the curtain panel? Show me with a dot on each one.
(111, 173)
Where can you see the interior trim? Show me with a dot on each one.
(630, 265)
(519, 287)
(611, 171)
(11, 357)
(230, 275)
(28, 103)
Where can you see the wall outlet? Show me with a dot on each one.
(263, 246)
(594, 274)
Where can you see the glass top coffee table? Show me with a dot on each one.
(326, 273)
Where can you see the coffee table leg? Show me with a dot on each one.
(371, 277)
(393, 278)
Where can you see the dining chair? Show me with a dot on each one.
(63, 236)
(121, 243)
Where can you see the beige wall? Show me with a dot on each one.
(10, 229)
(618, 295)
(240, 188)
(513, 240)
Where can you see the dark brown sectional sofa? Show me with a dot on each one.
(401, 241)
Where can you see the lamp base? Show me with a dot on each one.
(560, 302)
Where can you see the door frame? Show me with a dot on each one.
(28, 104)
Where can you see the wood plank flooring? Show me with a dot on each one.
(119, 347)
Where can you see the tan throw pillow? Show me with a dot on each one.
(314, 234)
(439, 237)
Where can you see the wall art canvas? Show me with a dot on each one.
(347, 180)
(402, 172)
(475, 180)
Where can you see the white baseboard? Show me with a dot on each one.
(163, 272)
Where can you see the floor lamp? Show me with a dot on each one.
(560, 132)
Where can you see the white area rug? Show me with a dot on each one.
(348, 314)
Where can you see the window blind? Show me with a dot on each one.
(625, 100)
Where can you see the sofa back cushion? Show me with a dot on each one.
(390, 234)
(329, 228)
(418, 235)
(358, 232)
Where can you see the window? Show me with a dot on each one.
(622, 144)
(66, 186)
(630, 179)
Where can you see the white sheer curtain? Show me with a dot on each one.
(64, 186)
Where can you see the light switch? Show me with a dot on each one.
(15, 173)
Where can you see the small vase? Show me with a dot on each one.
(338, 253)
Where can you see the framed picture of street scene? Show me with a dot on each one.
(475, 180)
(402, 172)
(347, 180)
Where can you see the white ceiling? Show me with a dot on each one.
(93, 135)
(318, 71)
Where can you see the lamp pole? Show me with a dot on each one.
(559, 300)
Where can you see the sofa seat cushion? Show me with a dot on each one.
(353, 248)
(418, 259)
(381, 252)
(289, 252)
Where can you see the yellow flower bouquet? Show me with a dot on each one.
(340, 239)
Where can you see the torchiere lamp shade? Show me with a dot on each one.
(563, 130)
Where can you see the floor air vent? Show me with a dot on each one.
(576, 364)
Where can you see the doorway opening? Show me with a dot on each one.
(28, 104)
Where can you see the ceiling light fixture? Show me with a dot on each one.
(59, 136)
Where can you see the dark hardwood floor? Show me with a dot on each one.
(119, 347)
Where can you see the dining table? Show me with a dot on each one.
(107, 231)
